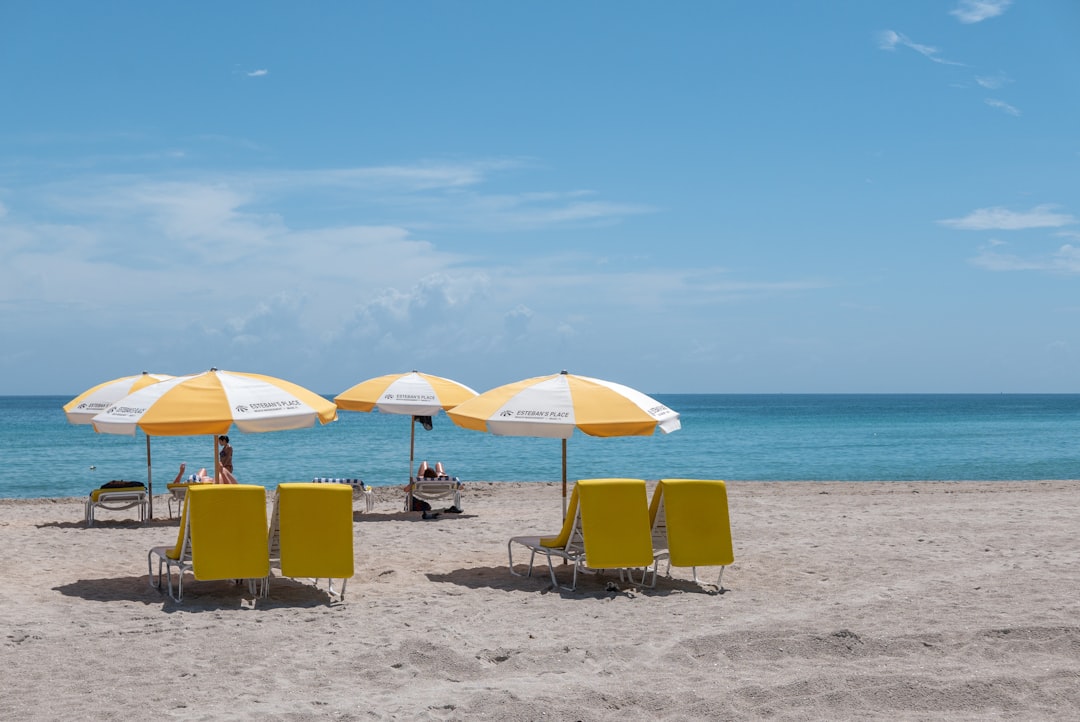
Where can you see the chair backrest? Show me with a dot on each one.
(182, 546)
(228, 531)
(615, 523)
(566, 534)
(695, 512)
(314, 524)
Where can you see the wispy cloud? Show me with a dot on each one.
(257, 73)
(975, 11)
(993, 82)
(890, 40)
(1002, 106)
(1065, 259)
(1002, 219)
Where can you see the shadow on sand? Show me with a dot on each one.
(200, 596)
(590, 585)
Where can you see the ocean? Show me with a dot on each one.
(768, 437)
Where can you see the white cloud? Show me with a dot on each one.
(258, 73)
(1002, 106)
(993, 82)
(239, 271)
(1065, 260)
(890, 40)
(997, 218)
(975, 11)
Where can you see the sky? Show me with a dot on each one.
(692, 197)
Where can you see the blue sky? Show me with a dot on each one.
(714, 196)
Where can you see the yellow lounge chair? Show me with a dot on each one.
(117, 499)
(567, 544)
(311, 532)
(608, 530)
(691, 525)
(222, 536)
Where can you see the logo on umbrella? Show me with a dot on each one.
(241, 409)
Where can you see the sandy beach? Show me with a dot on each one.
(915, 601)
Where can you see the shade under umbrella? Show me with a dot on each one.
(212, 402)
(83, 408)
(412, 393)
(554, 406)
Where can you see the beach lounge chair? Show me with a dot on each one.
(690, 524)
(222, 536)
(356, 484)
(177, 493)
(311, 532)
(609, 529)
(117, 499)
(567, 544)
(430, 490)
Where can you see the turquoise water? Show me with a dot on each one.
(751, 437)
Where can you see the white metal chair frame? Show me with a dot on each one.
(118, 500)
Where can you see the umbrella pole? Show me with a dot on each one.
(564, 479)
(217, 462)
(149, 480)
(412, 443)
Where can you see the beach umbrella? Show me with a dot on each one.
(211, 403)
(83, 408)
(554, 406)
(410, 393)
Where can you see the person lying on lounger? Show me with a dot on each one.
(427, 472)
(202, 477)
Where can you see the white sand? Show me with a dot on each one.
(916, 601)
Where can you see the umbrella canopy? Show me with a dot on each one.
(553, 406)
(211, 402)
(83, 408)
(410, 393)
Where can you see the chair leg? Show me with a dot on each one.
(510, 556)
(179, 595)
(554, 581)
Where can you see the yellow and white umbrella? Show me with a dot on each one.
(553, 406)
(212, 402)
(410, 393)
(83, 408)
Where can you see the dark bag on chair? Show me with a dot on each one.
(420, 505)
